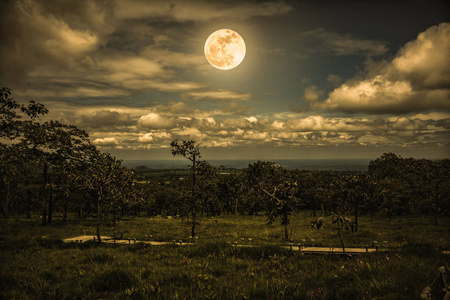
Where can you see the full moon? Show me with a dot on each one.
(225, 49)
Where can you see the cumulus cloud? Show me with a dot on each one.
(417, 79)
(339, 44)
(155, 137)
(156, 121)
(312, 131)
(425, 61)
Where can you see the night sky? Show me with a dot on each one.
(320, 79)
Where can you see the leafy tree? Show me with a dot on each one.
(276, 183)
(230, 189)
(110, 182)
(54, 145)
(389, 173)
(208, 185)
(11, 124)
(355, 189)
(13, 127)
(432, 180)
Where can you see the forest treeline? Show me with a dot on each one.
(49, 167)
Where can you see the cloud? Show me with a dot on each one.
(124, 68)
(173, 59)
(232, 109)
(218, 95)
(427, 130)
(417, 79)
(334, 79)
(156, 121)
(425, 61)
(312, 94)
(59, 33)
(155, 137)
(174, 109)
(200, 10)
(320, 40)
(105, 118)
(107, 141)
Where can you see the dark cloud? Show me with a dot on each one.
(199, 10)
(56, 33)
(106, 119)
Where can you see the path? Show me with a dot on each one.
(109, 240)
(311, 250)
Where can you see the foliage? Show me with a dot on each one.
(191, 151)
(277, 184)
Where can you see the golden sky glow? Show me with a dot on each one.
(318, 80)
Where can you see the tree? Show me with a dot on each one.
(207, 183)
(355, 189)
(276, 183)
(432, 180)
(54, 145)
(190, 151)
(230, 188)
(389, 173)
(13, 128)
(13, 171)
(104, 175)
(341, 223)
(11, 124)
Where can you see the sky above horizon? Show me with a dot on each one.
(320, 79)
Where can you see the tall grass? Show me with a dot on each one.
(36, 264)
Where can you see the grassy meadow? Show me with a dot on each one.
(36, 264)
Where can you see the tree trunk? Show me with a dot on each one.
(99, 214)
(356, 216)
(44, 198)
(194, 223)
(194, 215)
(314, 207)
(236, 206)
(65, 207)
(436, 208)
(50, 206)
(286, 220)
(340, 237)
(6, 204)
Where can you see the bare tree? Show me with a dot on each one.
(190, 151)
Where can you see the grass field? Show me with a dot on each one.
(35, 263)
